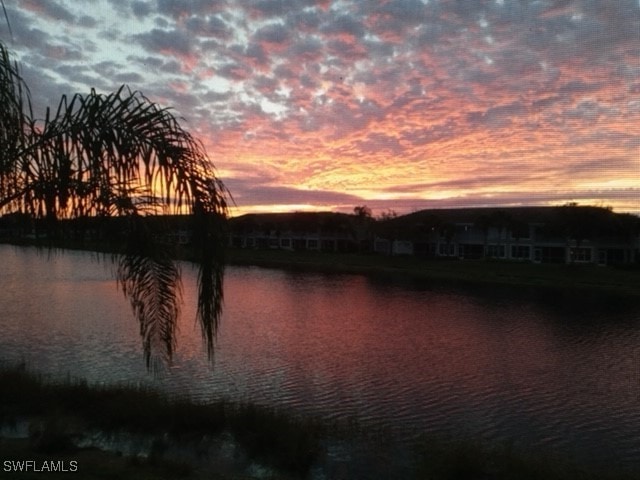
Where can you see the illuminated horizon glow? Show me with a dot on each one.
(401, 105)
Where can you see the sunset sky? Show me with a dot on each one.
(398, 104)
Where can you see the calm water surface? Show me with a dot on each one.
(536, 368)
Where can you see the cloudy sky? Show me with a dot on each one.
(396, 104)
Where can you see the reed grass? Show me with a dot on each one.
(289, 444)
(64, 409)
(467, 459)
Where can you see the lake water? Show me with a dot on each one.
(540, 369)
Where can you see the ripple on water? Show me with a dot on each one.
(548, 375)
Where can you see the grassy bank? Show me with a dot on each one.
(467, 460)
(60, 413)
(624, 281)
(89, 464)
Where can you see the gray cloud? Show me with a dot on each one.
(306, 49)
(163, 41)
(234, 71)
(51, 9)
(276, 8)
(499, 116)
(579, 87)
(87, 21)
(397, 83)
(177, 9)
(275, 33)
(344, 25)
(512, 198)
(211, 26)
(141, 9)
(268, 195)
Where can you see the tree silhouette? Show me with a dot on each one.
(118, 156)
(362, 211)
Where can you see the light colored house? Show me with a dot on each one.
(567, 234)
(323, 231)
(402, 247)
(525, 234)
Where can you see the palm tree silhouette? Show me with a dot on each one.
(118, 156)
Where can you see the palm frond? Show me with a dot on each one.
(151, 281)
(6, 17)
(118, 155)
(208, 232)
(15, 112)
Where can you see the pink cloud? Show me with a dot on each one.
(372, 99)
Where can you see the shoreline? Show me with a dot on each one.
(577, 278)
(573, 277)
(153, 436)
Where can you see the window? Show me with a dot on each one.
(446, 249)
(285, 242)
(381, 245)
(580, 254)
(312, 244)
(496, 251)
(521, 252)
(537, 255)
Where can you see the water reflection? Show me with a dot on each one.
(538, 368)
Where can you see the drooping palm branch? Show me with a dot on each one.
(16, 109)
(118, 155)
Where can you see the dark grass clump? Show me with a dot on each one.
(19, 394)
(61, 410)
(277, 438)
(464, 459)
